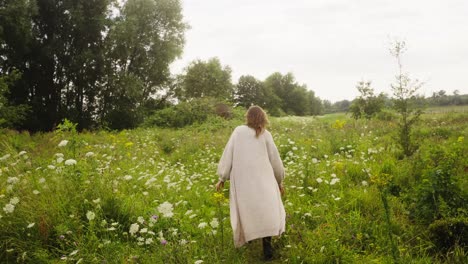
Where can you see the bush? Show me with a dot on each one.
(187, 113)
(450, 232)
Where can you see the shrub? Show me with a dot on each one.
(187, 113)
(450, 232)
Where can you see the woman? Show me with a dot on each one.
(252, 163)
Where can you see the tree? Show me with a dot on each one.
(206, 79)
(249, 91)
(367, 104)
(146, 37)
(290, 97)
(404, 91)
(10, 115)
(78, 60)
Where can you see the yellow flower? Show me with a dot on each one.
(338, 124)
(219, 197)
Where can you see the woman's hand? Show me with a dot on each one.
(281, 188)
(219, 186)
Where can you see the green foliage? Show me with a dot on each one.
(184, 113)
(367, 104)
(206, 79)
(449, 232)
(93, 62)
(250, 91)
(404, 95)
(438, 195)
(286, 95)
(10, 115)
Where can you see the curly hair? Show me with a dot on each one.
(257, 119)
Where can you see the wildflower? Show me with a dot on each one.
(149, 241)
(198, 262)
(51, 167)
(12, 180)
(22, 153)
(334, 180)
(90, 215)
(214, 223)
(364, 183)
(89, 154)
(166, 209)
(314, 160)
(98, 200)
(31, 225)
(133, 229)
(127, 177)
(9, 208)
(163, 242)
(59, 160)
(63, 143)
(70, 162)
(202, 225)
(4, 157)
(153, 218)
(14, 200)
(319, 180)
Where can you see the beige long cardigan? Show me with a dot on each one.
(255, 169)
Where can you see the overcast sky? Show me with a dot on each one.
(330, 45)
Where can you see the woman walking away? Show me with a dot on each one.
(252, 163)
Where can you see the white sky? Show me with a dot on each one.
(330, 45)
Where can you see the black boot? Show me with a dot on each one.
(267, 249)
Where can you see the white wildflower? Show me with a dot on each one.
(31, 225)
(89, 154)
(14, 200)
(319, 180)
(22, 153)
(334, 180)
(90, 215)
(63, 143)
(12, 180)
(9, 208)
(214, 223)
(70, 162)
(133, 229)
(202, 225)
(127, 177)
(364, 183)
(166, 209)
(4, 157)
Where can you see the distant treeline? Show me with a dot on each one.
(440, 98)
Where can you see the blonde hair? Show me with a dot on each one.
(257, 119)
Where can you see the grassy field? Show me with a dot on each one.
(147, 195)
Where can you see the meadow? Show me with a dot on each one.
(147, 195)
